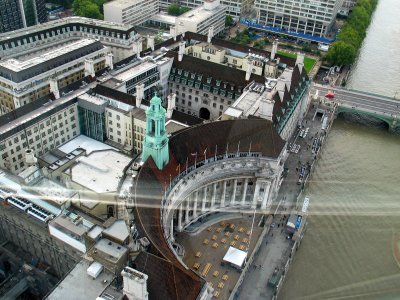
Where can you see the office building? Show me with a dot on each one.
(307, 17)
(130, 12)
(16, 14)
(234, 8)
(22, 82)
(23, 43)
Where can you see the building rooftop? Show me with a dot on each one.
(18, 66)
(198, 14)
(95, 232)
(118, 230)
(72, 223)
(84, 142)
(122, 3)
(135, 70)
(64, 21)
(53, 191)
(164, 18)
(174, 126)
(100, 171)
(78, 285)
(113, 250)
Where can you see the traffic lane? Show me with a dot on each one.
(339, 92)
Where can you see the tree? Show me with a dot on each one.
(350, 36)
(86, 8)
(341, 54)
(176, 10)
(228, 21)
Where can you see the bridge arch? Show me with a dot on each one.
(365, 117)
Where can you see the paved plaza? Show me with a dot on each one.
(205, 250)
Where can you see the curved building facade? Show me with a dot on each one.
(219, 166)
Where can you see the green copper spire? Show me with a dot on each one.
(156, 141)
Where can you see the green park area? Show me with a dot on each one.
(308, 62)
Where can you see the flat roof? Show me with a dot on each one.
(95, 232)
(118, 230)
(63, 21)
(114, 250)
(198, 14)
(79, 285)
(92, 99)
(67, 222)
(122, 3)
(134, 71)
(53, 191)
(100, 171)
(164, 18)
(235, 256)
(18, 66)
(87, 143)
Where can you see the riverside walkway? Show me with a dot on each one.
(276, 248)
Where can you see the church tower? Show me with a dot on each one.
(156, 141)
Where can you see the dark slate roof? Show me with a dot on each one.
(167, 281)
(191, 36)
(53, 32)
(185, 118)
(50, 64)
(235, 78)
(117, 95)
(296, 83)
(258, 134)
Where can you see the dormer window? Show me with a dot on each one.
(218, 82)
(193, 75)
(186, 73)
(209, 80)
(179, 72)
(224, 85)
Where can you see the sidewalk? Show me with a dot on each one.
(276, 249)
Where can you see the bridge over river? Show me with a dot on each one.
(379, 107)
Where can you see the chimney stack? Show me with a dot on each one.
(249, 67)
(266, 106)
(171, 105)
(172, 32)
(135, 284)
(109, 61)
(300, 61)
(54, 87)
(138, 48)
(210, 34)
(89, 67)
(274, 49)
(150, 42)
(139, 94)
(181, 50)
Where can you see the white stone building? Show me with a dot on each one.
(132, 12)
(22, 43)
(234, 8)
(200, 19)
(24, 81)
(308, 17)
(43, 126)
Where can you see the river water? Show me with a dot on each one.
(347, 252)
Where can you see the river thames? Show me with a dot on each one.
(347, 251)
